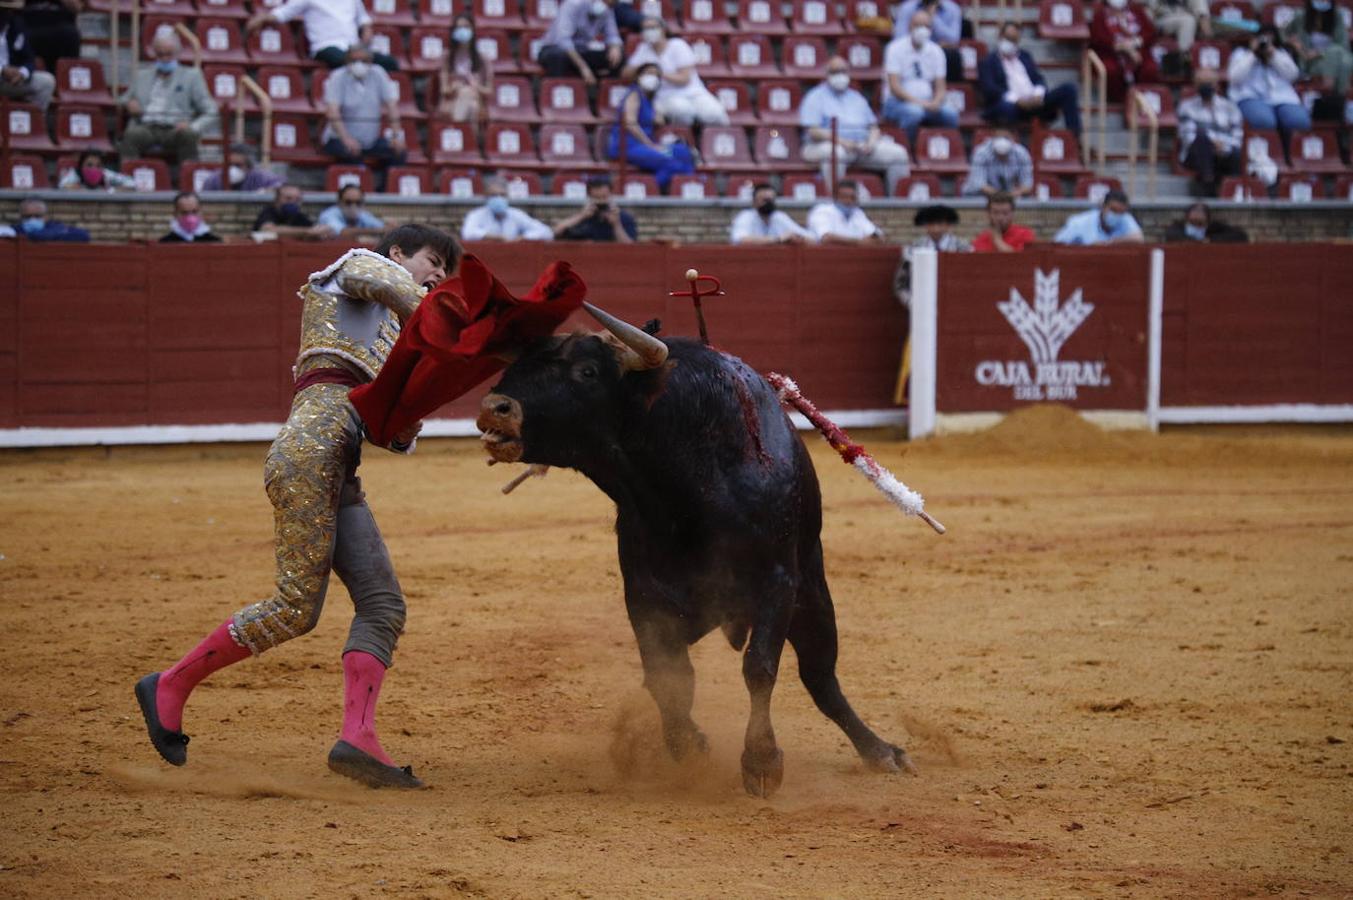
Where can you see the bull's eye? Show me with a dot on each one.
(586, 371)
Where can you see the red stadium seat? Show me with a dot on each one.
(962, 99)
(193, 175)
(1048, 187)
(736, 100)
(691, 187)
(870, 184)
(224, 83)
(1279, 15)
(291, 141)
(1231, 11)
(706, 17)
(496, 51)
(778, 148)
(1316, 151)
(408, 181)
(80, 126)
(286, 88)
(82, 81)
(609, 95)
(1300, 188)
(662, 9)
(453, 143)
(918, 188)
(427, 48)
(24, 173)
(761, 17)
(864, 55)
(777, 102)
(274, 45)
(725, 148)
(565, 100)
(803, 187)
(408, 107)
(1343, 188)
(940, 150)
(1242, 189)
(1094, 187)
(971, 52)
(512, 101)
(221, 41)
(1264, 144)
(338, 177)
(528, 48)
(459, 183)
(509, 144)
(223, 9)
(570, 186)
(1210, 55)
(521, 185)
(567, 146)
(438, 13)
(504, 14)
(392, 12)
(867, 10)
(804, 57)
(540, 13)
(1160, 99)
(176, 8)
(1062, 20)
(749, 56)
(711, 59)
(1056, 151)
(389, 40)
(816, 17)
(741, 186)
(638, 187)
(149, 174)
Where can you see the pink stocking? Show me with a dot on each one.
(362, 677)
(216, 651)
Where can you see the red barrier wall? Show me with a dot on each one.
(148, 334)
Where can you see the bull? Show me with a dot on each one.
(718, 517)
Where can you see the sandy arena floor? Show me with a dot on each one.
(1125, 672)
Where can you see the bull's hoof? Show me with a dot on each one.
(762, 772)
(890, 759)
(682, 744)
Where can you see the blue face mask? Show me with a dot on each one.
(32, 226)
(291, 209)
(1197, 232)
(497, 205)
(166, 66)
(1113, 220)
(1320, 5)
(846, 211)
(461, 35)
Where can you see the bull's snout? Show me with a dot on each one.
(500, 419)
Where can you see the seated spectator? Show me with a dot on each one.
(1004, 236)
(244, 172)
(1211, 130)
(682, 97)
(52, 30)
(7, 232)
(169, 105)
(858, 139)
(599, 219)
(939, 220)
(285, 218)
(331, 28)
(1122, 34)
(1185, 20)
(355, 98)
(840, 220)
(187, 226)
(946, 25)
(636, 124)
(583, 40)
(90, 174)
(1261, 77)
(764, 224)
(1110, 224)
(1199, 226)
(465, 81)
(19, 78)
(34, 225)
(1318, 38)
(349, 218)
(496, 220)
(1014, 90)
(913, 73)
(1000, 165)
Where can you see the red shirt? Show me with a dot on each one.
(1016, 236)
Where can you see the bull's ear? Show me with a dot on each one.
(653, 382)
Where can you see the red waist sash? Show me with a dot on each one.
(327, 375)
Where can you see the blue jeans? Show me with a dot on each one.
(1286, 117)
(912, 115)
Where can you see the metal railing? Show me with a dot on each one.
(1138, 104)
(1091, 64)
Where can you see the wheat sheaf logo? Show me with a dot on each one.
(1044, 328)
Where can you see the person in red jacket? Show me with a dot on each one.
(1121, 33)
(1004, 236)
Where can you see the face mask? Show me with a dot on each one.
(598, 7)
(166, 66)
(652, 35)
(236, 175)
(838, 81)
(1118, 4)
(1320, 5)
(1001, 145)
(92, 174)
(766, 209)
(352, 213)
(648, 82)
(291, 209)
(461, 35)
(497, 205)
(847, 210)
(920, 34)
(1207, 91)
(1007, 47)
(1113, 220)
(32, 226)
(359, 69)
(1197, 232)
(190, 222)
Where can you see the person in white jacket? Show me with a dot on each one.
(1261, 77)
(496, 220)
(682, 97)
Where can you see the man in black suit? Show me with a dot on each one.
(1013, 89)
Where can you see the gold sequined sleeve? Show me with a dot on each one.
(378, 281)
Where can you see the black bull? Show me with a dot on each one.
(718, 519)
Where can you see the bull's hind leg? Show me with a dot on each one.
(670, 679)
(763, 763)
(813, 636)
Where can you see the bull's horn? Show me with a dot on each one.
(650, 351)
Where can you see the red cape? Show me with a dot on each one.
(447, 346)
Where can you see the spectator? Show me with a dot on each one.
(627, 17)
(34, 225)
(354, 98)
(946, 25)
(1110, 224)
(1211, 129)
(465, 81)
(1318, 37)
(1184, 19)
(841, 221)
(1004, 236)
(285, 218)
(1261, 77)
(332, 27)
(1199, 226)
(913, 69)
(187, 226)
(682, 97)
(635, 125)
(90, 174)
(244, 173)
(19, 78)
(858, 139)
(938, 221)
(600, 219)
(169, 104)
(582, 40)
(1013, 89)
(349, 218)
(1000, 165)
(52, 30)
(7, 232)
(496, 220)
(1122, 34)
(764, 224)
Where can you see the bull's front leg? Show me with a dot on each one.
(670, 679)
(763, 763)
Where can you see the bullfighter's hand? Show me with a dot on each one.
(406, 437)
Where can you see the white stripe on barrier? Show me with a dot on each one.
(925, 286)
(1306, 413)
(1154, 327)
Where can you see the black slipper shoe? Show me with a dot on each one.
(173, 745)
(345, 759)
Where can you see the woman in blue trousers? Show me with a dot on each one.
(635, 125)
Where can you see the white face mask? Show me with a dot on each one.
(838, 81)
(236, 174)
(1118, 4)
(359, 69)
(1001, 145)
(1007, 47)
(598, 7)
(652, 35)
(648, 82)
(920, 34)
